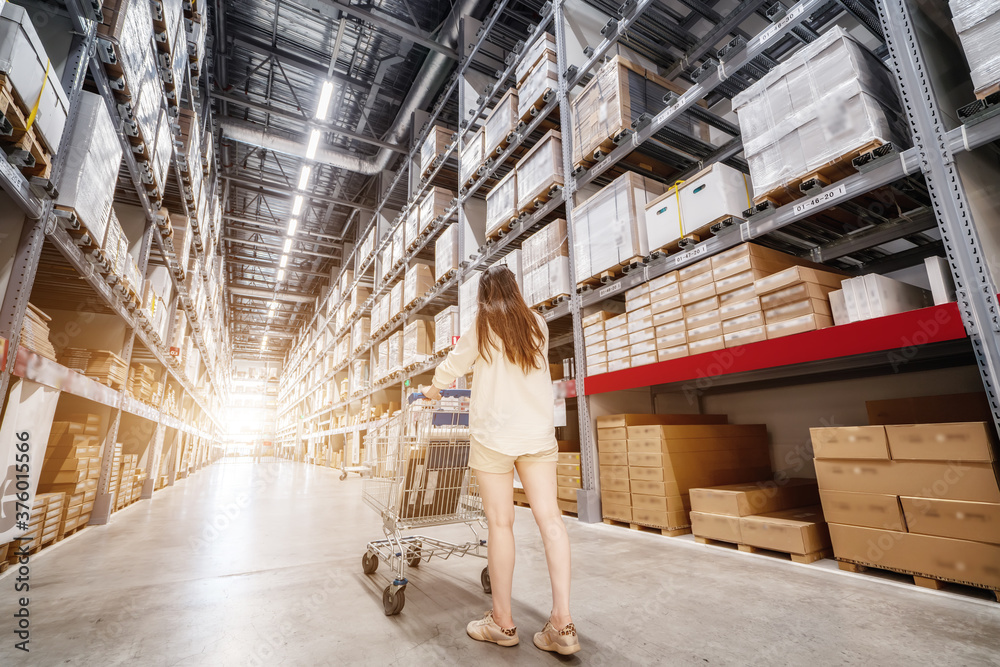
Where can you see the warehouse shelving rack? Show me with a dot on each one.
(36, 200)
(867, 345)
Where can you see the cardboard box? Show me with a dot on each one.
(962, 561)
(797, 274)
(756, 497)
(707, 345)
(563, 493)
(614, 458)
(716, 527)
(873, 510)
(615, 498)
(614, 471)
(568, 469)
(685, 427)
(796, 309)
(972, 407)
(569, 482)
(925, 479)
(850, 442)
(798, 531)
(795, 293)
(632, 420)
(798, 325)
(659, 503)
(607, 446)
(566, 453)
(616, 484)
(665, 280)
(706, 332)
(668, 353)
(754, 335)
(699, 294)
(668, 520)
(964, 441)
(649, 474)
(959, 519)
(616, 512)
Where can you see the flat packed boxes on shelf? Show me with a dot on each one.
(537, 77)
(649, 463)
(744, 295)
(434, 147)
(545, 265)
(812, 114)
(921, 499)
(72, 466)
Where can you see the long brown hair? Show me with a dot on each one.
(504, 314)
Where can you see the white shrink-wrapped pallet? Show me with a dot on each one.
(411, 226)
(435, 144)
(539, 171)
(501, 125)
(816, 110)
(471, 159)
(445, 328)
(446, 252)
(94, 155)
(978, 25)
(27, 67)
(418, 341)
(501, 203)
(468, 301)
(418, 281)
(360, 331)
(539, 86)
(609, 228)
(545, 264)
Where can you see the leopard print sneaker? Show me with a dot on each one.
(563, 642)
(487, 630)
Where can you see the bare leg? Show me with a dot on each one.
(539, 480)
(497, 491)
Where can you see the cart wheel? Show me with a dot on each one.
(369, 563)
(393, 604)
(414, 556)
(343, 476)
(485, 578)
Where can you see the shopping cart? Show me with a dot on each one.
(416, 476)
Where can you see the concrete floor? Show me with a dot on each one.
(261, 565)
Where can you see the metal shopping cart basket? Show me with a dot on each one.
(416, 476)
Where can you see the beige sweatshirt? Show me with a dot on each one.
(510, 410)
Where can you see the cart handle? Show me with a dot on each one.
(445, 393)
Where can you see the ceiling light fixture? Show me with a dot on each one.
(284, 261)
(288, 245)
(292, 224)
(281, 275)
(297, 205)
(313, 144)
(325, 95)
(304, 176)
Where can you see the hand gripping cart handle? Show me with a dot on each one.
(417, 476)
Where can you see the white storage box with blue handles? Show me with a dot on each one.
(33, 77)
(713, 194)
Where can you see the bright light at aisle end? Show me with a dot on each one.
(281, 275)
(325, 95)
(292, 225)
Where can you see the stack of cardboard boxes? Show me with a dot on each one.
(595, 341)
(125, 478)
(568, 476)
(445, 328)
(72, 466)
(648, 463)
(744, 295)
(763, 515)
(921, 499)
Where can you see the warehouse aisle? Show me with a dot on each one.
(261, 565)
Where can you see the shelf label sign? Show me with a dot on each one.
(550, 315)
(822, 198)
(610, 289)
(691, 254)
(777, 27)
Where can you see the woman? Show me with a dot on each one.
(511, 425)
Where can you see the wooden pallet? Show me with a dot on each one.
(548, 192)
(836, 169)
(535, 108)
(548, 304)
(648, 528)
(613, 273)
(501, 230)
(36, 158)
(922, 580)
(811, 557)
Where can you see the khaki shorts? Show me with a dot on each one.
(485, 459)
